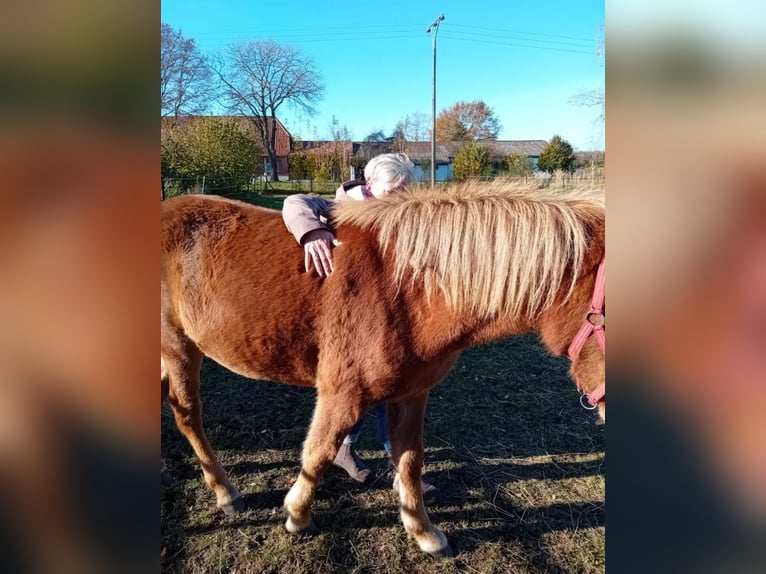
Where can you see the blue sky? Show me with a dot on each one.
(524, 59)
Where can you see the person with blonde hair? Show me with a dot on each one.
(307, 217)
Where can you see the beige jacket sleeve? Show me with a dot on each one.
(303, 213)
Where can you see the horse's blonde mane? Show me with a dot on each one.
(490, 247)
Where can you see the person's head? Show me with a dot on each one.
(387, 173)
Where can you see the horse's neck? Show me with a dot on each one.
(437, 329)
(500, 328)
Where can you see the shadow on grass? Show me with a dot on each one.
(337, 508)
(174, 515)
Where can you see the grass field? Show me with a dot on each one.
(520, 467)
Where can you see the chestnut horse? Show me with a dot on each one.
(419, 276)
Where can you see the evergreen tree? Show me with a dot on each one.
(557, 155)
(471, 160)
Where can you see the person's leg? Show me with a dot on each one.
(348, 459)
(381, 427)
(353, 435)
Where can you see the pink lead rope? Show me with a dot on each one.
(593, 325)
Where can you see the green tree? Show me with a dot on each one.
(300, 163)
(471, 160)
(558, 154)
(467, 121)
(211, 148)
(321, 168)
(519, 165)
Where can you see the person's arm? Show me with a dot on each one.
(305, 213)
(342, 192)
(305, 217)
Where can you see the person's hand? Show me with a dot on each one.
(317, 245)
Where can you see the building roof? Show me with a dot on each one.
(324, 146)
(421, 151)
(504, 148)
(364, 151)
(446, 151)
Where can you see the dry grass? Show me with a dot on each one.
(519, 463)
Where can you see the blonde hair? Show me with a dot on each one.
(493, 247)
(394, 169)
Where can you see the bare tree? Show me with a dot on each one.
(257, 77)
(185, 78)
(413, 127)
(594, 98)
(591, 99)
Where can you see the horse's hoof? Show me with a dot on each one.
(233, 507)
(310, 530)
(445, 552)
(436, 545)
(165, 478)
(293, 528)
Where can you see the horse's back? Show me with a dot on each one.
(232, 284)
(205, 217)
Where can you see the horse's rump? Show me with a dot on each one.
(232, 282)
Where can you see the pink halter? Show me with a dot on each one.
(593, 325)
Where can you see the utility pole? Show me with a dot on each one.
(435, 27)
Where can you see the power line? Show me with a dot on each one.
(345, 29)
(345, 33)
(506, 30)
(452, 36)
(504, 36)
(461, 39)
(307, 40)
(404, 32)
(397, 28)
(352, 38)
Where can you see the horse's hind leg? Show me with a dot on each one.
(333, 417)
(405, 423)
(165, 477)
(182, 364)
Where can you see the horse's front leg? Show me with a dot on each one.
(334, 415)
(405, 423)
